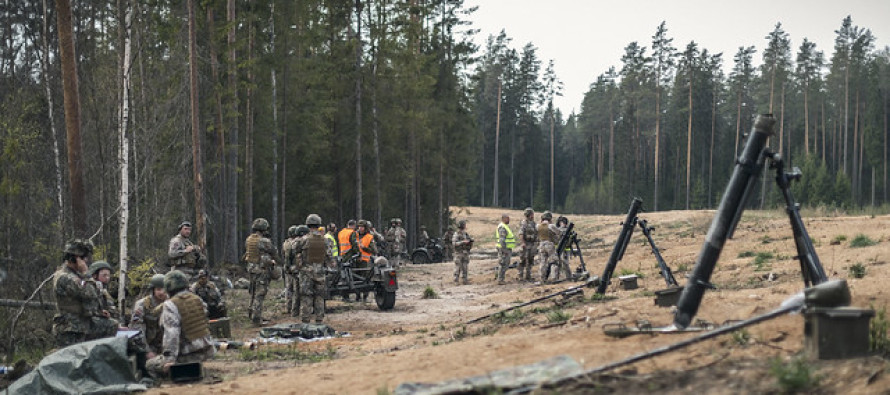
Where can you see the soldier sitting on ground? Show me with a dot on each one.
(78, 314)
(147, 314)
(209, 293)
(101, 273)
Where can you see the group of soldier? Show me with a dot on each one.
(537, 243)
(172, 319)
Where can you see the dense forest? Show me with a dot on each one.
(120, 119)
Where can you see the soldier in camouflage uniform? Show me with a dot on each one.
(423, 237)
(292, 269)
(505, 244)
(449, 247)
(548, 234)
(78, 314)
(147, 314)
(261, 257)
(101, 273)
(184, 255)
(184, 322)
(562, 223)
(462, 244)
(314, 251)
(395, 242)
(209, 293)
(528, 240)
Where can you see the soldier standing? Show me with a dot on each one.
(331, 239)
(261, 258)
(78, 316)
(562, 223)
(462, 244)
(291, 268)
(147, 314)
(505, 244)
(395, 241)
(548, 234)
(315, 257)
(184, 255)
(347, 241)
(209, 293)
(449, 247)
(184, 322)
(528, 240)
(101, 273)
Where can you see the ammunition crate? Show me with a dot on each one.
(668, 297)
(220, 328)
(629, 281)
(836, 333)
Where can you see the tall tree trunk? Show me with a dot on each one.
(824, 136)
(657, 139)
(123, 119)
(782, 127)
(497, 138)
(846, 111)
(854, 191)
(552, 172)
(689, 143)
(738, 125)
(222, 192)
(44, 63)
(806, 118)
(248, 126)
(358, 109)
(197, 165)
(275, 126)
(885, 116)
(232, 245)
(611, 173)
(70, 90)
(711, 149)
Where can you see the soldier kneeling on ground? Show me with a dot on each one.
(184, 322)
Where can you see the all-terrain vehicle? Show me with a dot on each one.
(432, 252)
(353, 277)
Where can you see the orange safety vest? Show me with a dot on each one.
(343, 237)
(365, 244)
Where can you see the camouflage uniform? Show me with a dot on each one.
(146, 318)
(423, 238)
(548, 234)
(186, 334)
(314, 251)
(78, 315)
(209, 293)
(261, 257)
(505, 243)
(563, 256)
(462, 243)
(186, 262)
(528, 239)
(106, 302)
(449, 247)
(292, 276)
(395, 244)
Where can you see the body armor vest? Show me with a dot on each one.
(151, 315)
(193, 321)
(544, 233)
(314, 251)
(529, 231)
(252, 255)
(68, 304)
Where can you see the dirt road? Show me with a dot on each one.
(427, 340)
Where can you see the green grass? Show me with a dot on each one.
(857, 270)
(746, 254)
(429, 293)
(287, 353)
(682, 267)
(627, 272)
(839, 239)
(557, 316)
(794, 376)
(761, 261)
(601, 297)
(877, 332)
(741, 337)
(862, 240)
(509, 317)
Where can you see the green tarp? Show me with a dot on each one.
(95, 367)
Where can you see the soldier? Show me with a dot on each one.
(548, 234)
(184, 322)
(423, 238)
(528, 240)
(449, 247)
(101, 273)
(147, 314)
(562, 223)
(347, 242)
(395, 241)
(505, 243)
(184, 255)
(78, 315)
(209, 293)
(315, 258)
(331, 236)
(462, 244)
(367, 243)
(261, 258)
(292, 268)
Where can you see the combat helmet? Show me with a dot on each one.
(462, 224)
(260, 224)
(528, 212)
(184, 224)
(362, 222)
(202, 273)
(547, 215)
(175, 281)
(79, 247)
(157, 281)
(99, 265)
(302, 230)
(313, 220)
(292, 231)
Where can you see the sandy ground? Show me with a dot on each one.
(428, 340)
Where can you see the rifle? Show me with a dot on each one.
(662, 266)
(621, 244)
(568, 292)
(748, 166)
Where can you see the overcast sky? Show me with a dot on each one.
(586, 37)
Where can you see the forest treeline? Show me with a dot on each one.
(221, 111)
